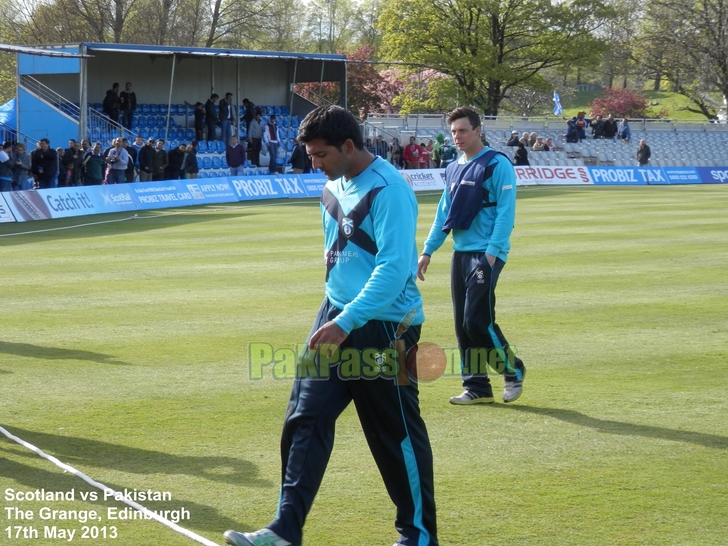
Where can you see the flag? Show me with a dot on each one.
(557, 104)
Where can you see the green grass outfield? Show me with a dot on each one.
(123, 352)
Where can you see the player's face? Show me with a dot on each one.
(332, 162)
(463, 135)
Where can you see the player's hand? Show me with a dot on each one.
(490, 258)
(329, 334)
(422, 264)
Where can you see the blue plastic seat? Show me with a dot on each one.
(199, 163)
(285, 111)
(202, 147)
(190, 134)
(144, 108)
(172, 144)
(277, 110)
(153, 109)
(216, 163)
(153, 134)
(220, 146)
(243, 132)
(162, 109)
(95, 135)
(201, 174)
(181, 134)
(223, 163)
(144, 133)
(207, 162)
(283, 122)
(141, 121)
(160, 122)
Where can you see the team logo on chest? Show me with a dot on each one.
(479, 276)
(347, 226)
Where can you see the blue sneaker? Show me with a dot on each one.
(264, 537)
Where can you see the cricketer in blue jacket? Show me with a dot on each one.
(372, 305)
(478, 206)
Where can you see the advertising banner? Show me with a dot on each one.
(526, 176)
(627, 176)
(252, 188)
(425, 179)
(713, 175)
(5, 214)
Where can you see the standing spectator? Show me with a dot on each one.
(211, 118)
(117, 160)
(235, 157)
(439, 139)
(571, 134)
(111, 103)
(478, 206)
(411, 154)
(521, 155)
(610, 128)
(598, 128)
(127, 104)
(430, 147)
(581, 123)
(424, 156)
(255, 134)
(380, 147)
(397, 157)
(643, 154)
(161, 160)
(138, 145)
(272, 140)
(249, 114)
(93, 166)
(190, 166)
(131, 172)
(625, 133)
(365, 301)
(298, 158)
(175, 160)
(71, 163)
(199, 114)
(61, 171)
(227, 116)
(6, 167)
(513, 140)
(448, 153)
(21, 168)
(146, 161)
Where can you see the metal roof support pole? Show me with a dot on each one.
(293, 85)
(321, 80)
(169, 100)
(83, 96)
(344, 90)
(237, 100)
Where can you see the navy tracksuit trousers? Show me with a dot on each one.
(480, 339)
(390, 418)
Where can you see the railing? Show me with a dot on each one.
(98, 126)
(11, 134)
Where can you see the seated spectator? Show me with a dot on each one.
(625, 133)
(549, 145)
(532, 139)
(513, 140)
(412, 153)
(524, 139)
(538, 146)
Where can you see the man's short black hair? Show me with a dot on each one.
(214, 96)
(332, 124)
(464, 112)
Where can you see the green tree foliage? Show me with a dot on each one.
(492, 46)
(692, 55)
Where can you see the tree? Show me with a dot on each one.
(622, 103)
(692, 55)
(489, 47)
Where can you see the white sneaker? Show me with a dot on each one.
(513, 389)
(264, 537)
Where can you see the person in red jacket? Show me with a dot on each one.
(412, 153)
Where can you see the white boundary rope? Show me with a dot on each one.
(110, 492)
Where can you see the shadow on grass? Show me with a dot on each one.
(54, 353)
(112, 224)
(202, 517)
(4, 372)
(626, 429)
(93, 453)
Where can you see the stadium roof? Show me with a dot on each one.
(209, 52)
(47, 52)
